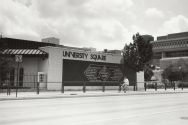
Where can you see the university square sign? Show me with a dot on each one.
(87, 56)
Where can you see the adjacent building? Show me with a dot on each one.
(170, 49)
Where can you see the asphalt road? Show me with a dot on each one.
(158, 109)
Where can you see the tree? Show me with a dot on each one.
(169, 74)
(137, 54)
(5, 65)
(176, 71)
(148, 72)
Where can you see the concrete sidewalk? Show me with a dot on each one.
(74, 94)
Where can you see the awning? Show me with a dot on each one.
(31, 52)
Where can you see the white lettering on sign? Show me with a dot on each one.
(98, 57)
(103, 73)
(75, 54)
(82, 55)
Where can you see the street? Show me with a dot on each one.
(153, 109)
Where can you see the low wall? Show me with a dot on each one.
(89, 88)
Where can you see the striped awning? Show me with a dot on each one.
(24, 52)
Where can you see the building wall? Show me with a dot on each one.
(173, 36)
(165, 62)
(30, 66)
(53, 66)
(170, 47)
(43, 65)
(54, 63)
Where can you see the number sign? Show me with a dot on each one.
(18, 58)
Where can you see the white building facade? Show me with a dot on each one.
(55, 66)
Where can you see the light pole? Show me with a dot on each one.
(18, 59)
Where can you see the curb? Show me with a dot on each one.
(94, 95)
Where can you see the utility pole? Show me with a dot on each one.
(18, 59)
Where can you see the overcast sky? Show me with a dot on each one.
(102, 24)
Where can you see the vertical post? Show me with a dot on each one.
(38, 89)
(182, 85)
(63, 83)
(181, 77)
(8, 87)
(174, 86)
(165, 80)
(145, 85)
(103, 87)
(34, 81)
(119, 86)
(84, 87)
(17, 83)
(18, 59)
(7, 90)
(182, 80)
(62, 87)
(165, 86)
(156, 86)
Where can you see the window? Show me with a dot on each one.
(177, 54)
(157, 55)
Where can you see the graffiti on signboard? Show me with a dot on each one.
(103, 73)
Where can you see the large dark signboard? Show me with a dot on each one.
(74, 70)
(103, 72)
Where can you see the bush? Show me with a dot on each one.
(185, 85)
(151, 85)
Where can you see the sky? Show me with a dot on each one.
(101, 24)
